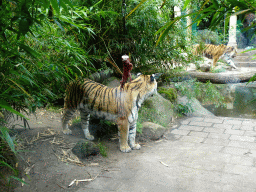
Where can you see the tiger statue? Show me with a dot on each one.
(116, 104)
(216, 52)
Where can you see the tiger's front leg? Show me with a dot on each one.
(132, 136)
(85, 117)
(68, 113)
(123, 127)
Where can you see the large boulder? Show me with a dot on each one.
(158, 110)
(205, 67)
(85, 149)
(152, 131)
(194, 104)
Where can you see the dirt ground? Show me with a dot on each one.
(47, 163)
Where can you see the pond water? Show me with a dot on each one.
(235, 112)
(241, 101)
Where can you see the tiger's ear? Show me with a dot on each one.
(138, 74)
(152, 77)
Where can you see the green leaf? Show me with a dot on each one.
(186, 4)
(69, 3)
(6, 106)
(19, 179)
(7, 165)
(55, 6)
(29, 50)
(252, 79)
(143, 1)
(5, 135)
(60, 26)
(62, 4)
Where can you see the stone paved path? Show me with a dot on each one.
(202, 154)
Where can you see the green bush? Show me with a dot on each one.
(170, 94)
(204, 92)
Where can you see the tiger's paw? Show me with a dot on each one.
(125, 149)
(67, 131)
(136, 147)
(89, 137)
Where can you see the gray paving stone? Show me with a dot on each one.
(235, 150)
(213, 176)
(239, 180)
(195, 119)
(210, 148)
(234, 132)
(180, 132)
(192, 139)
(221, 157)
(213, 130)
(202, 124)
(213, 120)
(232, 188)
(247, 127)
(232, 179)
(252, 153)
(218, 136)
(236, 127)
(190, 128)
(250, 133)
(204, 164)
(239, 169)
(249, 122)
(221, 142)
(198, 134)
(242, 138)
(185, 122)
(232, 122)
(242, 144)
(222, 126)
(241, 160)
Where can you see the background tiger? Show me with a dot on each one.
(216, 52)
(117, 104)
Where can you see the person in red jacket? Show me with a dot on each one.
(127, 67)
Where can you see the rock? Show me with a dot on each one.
(205, 67)
(85, 148)
(197, 108)
(152, 131)
(191, 67)
(157, 109)
(112, 82)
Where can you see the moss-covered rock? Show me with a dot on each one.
(170, 94)
(84, 149)
(158, 110)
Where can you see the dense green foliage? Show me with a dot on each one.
(205, 92)
(45, 44)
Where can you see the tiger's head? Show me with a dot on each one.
(231, 51)
(143, 87)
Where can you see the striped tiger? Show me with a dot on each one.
(216, 52)
(116, 104)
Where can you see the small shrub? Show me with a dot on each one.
(103, 149)
(183, 109)
(76, 120)
(139, 127)
(204, 92)
(170, 94)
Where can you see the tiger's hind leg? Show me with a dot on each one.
(214, 62)
(68, 114)
(132, 135)
(123, 127)
(85, 117)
